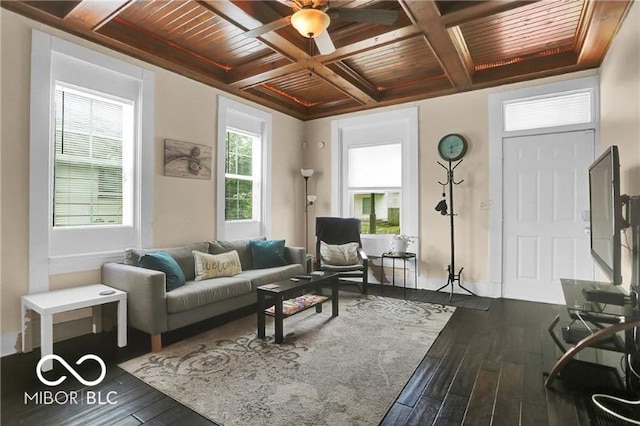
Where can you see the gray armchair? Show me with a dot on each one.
(337, 231)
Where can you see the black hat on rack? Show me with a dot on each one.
(442, 207)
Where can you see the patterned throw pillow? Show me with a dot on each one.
(216, 265)
(339, 255)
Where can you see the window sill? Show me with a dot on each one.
(82, 262)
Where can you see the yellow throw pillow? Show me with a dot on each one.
(216, 265)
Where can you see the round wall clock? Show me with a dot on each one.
(452, 147)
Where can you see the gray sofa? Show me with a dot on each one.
(154, 310)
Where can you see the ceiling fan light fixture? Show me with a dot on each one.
(310, 22)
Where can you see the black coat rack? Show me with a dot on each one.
(442, 207)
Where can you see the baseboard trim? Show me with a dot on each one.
(9, 343)
(12, 344)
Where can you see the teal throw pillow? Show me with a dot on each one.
(163, 262)
(267, 253)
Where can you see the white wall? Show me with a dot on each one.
(620, 110)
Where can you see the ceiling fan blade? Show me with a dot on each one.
(371, 16)
(324, 43)
(271, 26)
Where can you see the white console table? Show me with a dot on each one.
(53, 302)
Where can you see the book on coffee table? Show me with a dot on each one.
(291, 306)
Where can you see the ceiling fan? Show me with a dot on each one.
(312, 17)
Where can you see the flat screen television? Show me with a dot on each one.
(606, 214)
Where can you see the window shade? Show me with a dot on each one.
(378, 166)
(559, 110)
(88, 179)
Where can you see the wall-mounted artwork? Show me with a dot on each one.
(189, 160)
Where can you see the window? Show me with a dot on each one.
(374, 175)
(243, 176)
(558, 109)
(375, 187)
(93, 143)
(90, 190)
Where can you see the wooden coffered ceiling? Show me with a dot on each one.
(434, 48)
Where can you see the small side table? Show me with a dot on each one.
(404, 257)
(53, 302)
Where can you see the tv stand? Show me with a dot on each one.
(601, 322)
(609, 310)
(591, 341)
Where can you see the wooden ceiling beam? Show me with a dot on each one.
(350, 34)
(92, 15)
(361, 94)
(370, 43)
(347, 74)
(55, 8)
(237, 13)
(247, 75)
(481, 9)
(427, 17)
(599, 22)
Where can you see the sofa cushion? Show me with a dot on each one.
(199, 293)
(267, 253)
(163, 262)
(182, 254)
(260, 277)
(216, 265)
(241, 246)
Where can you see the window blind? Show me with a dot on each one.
(88, 178)
(559, 110)
(378, 166)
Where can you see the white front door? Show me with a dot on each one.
(546, 218)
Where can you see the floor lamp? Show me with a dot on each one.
(308, 201)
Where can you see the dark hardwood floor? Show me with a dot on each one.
(486, 367)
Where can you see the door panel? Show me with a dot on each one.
(527, 255)
(545, 193)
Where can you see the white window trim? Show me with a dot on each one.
(407, 119)
(243, 229)
(496, 137)
(41, 265)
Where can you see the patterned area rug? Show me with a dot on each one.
(329, 371)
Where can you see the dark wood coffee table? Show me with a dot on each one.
(271, 295)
